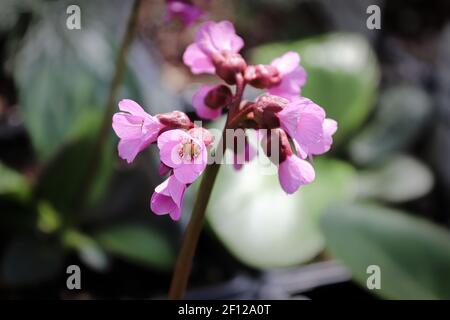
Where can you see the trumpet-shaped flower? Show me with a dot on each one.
(135, 128)
(294, 172)
(184, 153)
(168, 198)
(292, 75)
(213, 41)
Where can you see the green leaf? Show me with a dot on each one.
(12, 182)
(64, 75)
(31, 261)
(138, 244)
(413, 255)
(398, 179)
(403, 111)
(263, 226)
(88, 249)
(342, 75)
(60, 183)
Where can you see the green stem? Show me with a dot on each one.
(184, 261)
(100, 141)
(183, 264)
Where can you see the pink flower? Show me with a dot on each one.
(183, 10)
(212, 41)
(303, 120)
(293, 76)
(294, 172)
(184, 153)
(135, 128)
(202, 110)
(168, 198)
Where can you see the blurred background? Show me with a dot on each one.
(381, 196)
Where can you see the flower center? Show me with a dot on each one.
(189, 150)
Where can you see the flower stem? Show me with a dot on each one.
(184, 261)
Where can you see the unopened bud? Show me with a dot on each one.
(218, 97)
(262, 76)
(229, 65)
(175, 120)
(267, 107)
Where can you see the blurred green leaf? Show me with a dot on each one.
(13, 182)
(139, 244)
(403, 111)
(49, 219)
(399, 178)
(342, 75)
(63, 74)
(30, 261)
(263, 226)
(413, 255)
(60, 183)
(88, 249)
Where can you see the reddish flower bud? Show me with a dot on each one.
(228, 65)
(175, 120)
(267, 107)
(218, 97)
(276, 146)
(203, 135)
(262, 76)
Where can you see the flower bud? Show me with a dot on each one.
(202, 134)
(175, 120)
(218, 97)
(228, 65)
(267, 107)
(262, 76)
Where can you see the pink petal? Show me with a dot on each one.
(161, 204)
(216, 38)
(132, 107)
(295, 172)
(197, 60)
(168, 198)
(185, 173)
(290, 85)
(289, 117)
(329, 128)
(127, 126)
(176, 190)
(202, 110)
(287, 62)
(129, 148)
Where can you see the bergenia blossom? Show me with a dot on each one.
(292, 75)
(294, 172)
(168, 198)
(291, 128)
(213, 42)
(182, 152)
(135, 128)
(184, 10)
(304, 120)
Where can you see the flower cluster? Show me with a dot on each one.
(182, 150)
(292, 128)
(286, 116)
